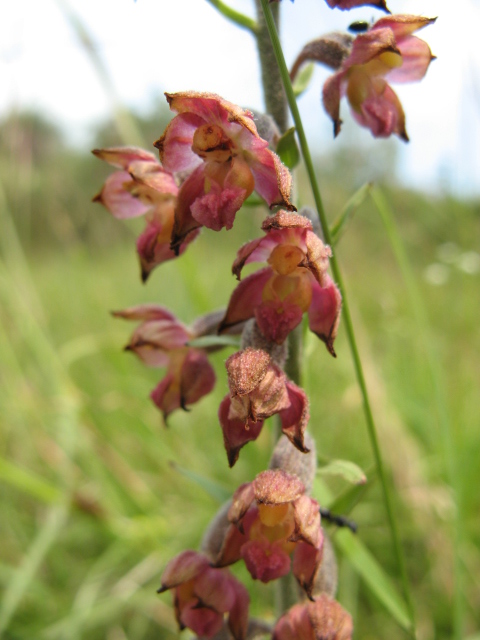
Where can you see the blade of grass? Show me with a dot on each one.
(215, 490)
(28, 482)
(338, 227)
(373, 575)
(21, 579)
(435, 368)
(346, 317)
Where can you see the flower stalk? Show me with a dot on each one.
(346, 316)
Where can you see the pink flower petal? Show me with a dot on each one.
(272, 179)
(191, 189)
(197, 377)
(145, 312)
(306, 565)
(175, 145)
(246, 298)
(211, 108)
(236, 433)
(416, 57)
(238, 617)
(116, 197)
(214, 589)
(382, 112)
(206, 623)
(122, 157)
(182, 568)
(294, 419)
(324, 312)
(166, 395)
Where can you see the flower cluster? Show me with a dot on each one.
(294, 283)
(203, 596)
(212, 158)
(260, 389)
(218, 145)
(160, 340)
(271, 519)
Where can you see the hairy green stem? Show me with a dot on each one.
(347, 320)
(236, 17)
(275, 100)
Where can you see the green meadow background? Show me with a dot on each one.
(97, 494)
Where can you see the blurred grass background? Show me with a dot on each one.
(92, 507)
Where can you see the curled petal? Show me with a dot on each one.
(307, 521)
(145, 312)
(294, 419)
(273, 180)
(331, 95)
(238, 617)
(166, 395)
(236, 433)
(214, 589)
(211, 108)
(116, 197)
(122, 157)
(241, 501)
(403, 24)
(416, 58)
(324, 312)
(230, 551)
(175, 145)
(185, 223)
(154, 338)
(306, 565)
(197, 377)
(186, 566)
(245, 299)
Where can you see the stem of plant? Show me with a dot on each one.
(346, 317)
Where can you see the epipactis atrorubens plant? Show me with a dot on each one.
(212, 158)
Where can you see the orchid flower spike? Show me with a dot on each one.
(217, 143)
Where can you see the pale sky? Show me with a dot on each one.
(152, 46)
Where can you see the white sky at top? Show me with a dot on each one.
(150, 46)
